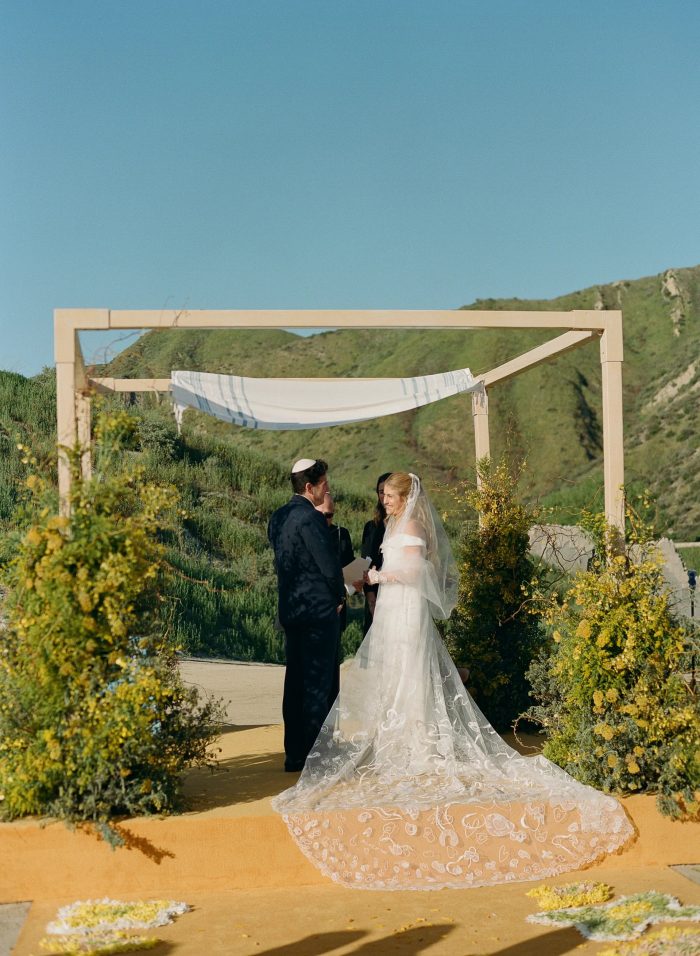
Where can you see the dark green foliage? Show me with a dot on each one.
(27, 415)
(95, 721)
(493, 630)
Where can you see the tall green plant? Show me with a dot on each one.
(493, 630)
(617, 710)
(94, 719)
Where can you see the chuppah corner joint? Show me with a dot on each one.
(318, 402)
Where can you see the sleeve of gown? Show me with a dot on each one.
(408, 566)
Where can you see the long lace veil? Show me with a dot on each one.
(408, 786)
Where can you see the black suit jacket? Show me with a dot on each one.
(340, 537)
(309, 576)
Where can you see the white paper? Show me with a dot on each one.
(354, 571)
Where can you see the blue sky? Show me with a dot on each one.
(321, 154)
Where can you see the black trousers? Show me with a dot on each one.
(311, 683)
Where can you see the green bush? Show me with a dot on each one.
(94, 719)
(617, 711)
(493, 630)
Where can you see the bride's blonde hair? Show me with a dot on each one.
(400, 481)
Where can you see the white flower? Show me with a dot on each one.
(497, 825)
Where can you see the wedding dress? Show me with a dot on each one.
(408, 786)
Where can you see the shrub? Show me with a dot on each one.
(94, 719)
(618, 713)
(493, 630)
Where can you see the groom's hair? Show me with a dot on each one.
(312, 475)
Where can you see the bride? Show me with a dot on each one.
(408, 786)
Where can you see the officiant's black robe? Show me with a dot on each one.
(342, 543)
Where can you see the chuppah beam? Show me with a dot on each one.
(581, 326)
(109, 385)
(543, 353)
(85, 319)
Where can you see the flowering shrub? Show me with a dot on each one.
(617, 711)
(94, 720)
(493, 630)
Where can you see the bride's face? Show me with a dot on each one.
(393, 502)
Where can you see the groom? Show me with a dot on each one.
(311, 597)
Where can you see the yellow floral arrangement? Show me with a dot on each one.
(101, 927)
(570, 894)
(622, 919)
(101, 944)
(669, 941)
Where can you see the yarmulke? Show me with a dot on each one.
(303, 464)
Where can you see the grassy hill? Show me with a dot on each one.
(220, 597)
(551, 414)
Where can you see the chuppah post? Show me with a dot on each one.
(480, 416)
(64, 349)
(611, 358)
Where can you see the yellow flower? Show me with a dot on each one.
(571, 894)
(612, 694)
(605, 731)
(584, 629)
(598, 697)
(633, 766)
(612, 760)
(33, 537)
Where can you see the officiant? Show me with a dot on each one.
(340, 539)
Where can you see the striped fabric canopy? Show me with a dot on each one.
(290, 403)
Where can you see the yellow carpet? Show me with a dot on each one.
(231, 841)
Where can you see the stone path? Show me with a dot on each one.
(252, 693)
(12, 916)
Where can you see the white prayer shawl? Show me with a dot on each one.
(292, 403)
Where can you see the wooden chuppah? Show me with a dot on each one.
(75, 387)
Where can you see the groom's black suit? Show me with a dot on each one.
(310, 585)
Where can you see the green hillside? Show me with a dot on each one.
(551, 414)
(220, 597)
(219, 594)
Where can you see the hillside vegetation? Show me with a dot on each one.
(551, 414)
(220, 597)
